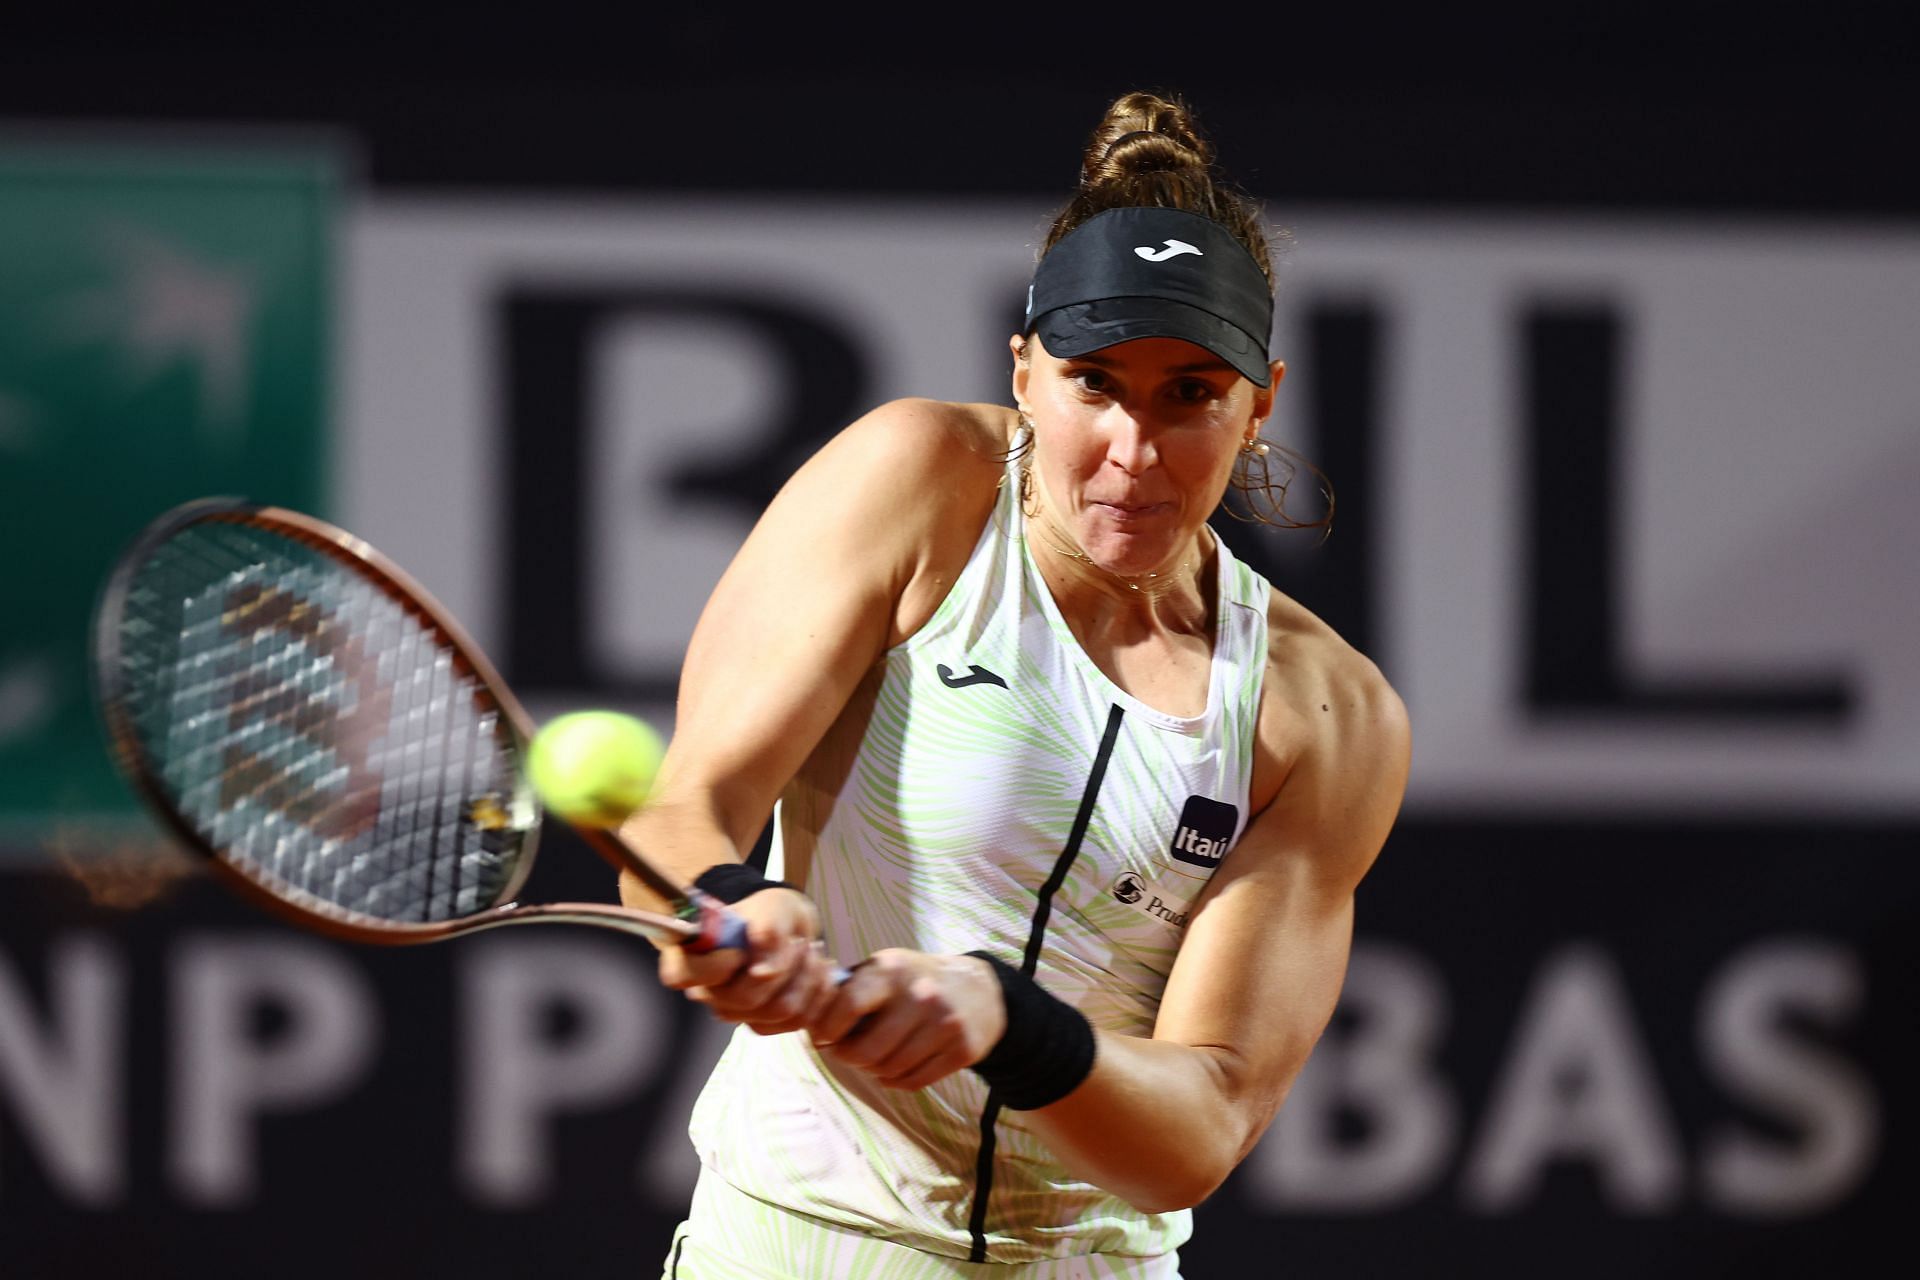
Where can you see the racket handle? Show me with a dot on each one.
(723, 929)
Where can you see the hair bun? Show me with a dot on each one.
(1143, 133)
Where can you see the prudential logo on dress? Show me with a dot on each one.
(1205, 831)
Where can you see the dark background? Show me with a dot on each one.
(1680, 106)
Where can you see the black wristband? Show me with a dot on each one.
(1047, 1049)
(732, 881)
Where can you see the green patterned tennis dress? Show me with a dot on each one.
(1007, 796)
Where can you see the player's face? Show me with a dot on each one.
(1134, 445)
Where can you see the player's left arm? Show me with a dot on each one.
(1162, 1121)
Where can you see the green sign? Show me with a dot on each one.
(164, 319)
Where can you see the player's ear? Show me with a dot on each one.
(1022, 366)
(1263, 396)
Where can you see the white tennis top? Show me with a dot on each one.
(1005, 787)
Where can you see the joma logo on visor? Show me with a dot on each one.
(1173, 250)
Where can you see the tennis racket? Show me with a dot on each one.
(295, 707)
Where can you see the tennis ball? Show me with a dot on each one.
(594, 768)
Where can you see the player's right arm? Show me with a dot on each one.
(852, 555)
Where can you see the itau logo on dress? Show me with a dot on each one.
(1205, 831)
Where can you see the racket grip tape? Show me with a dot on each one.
(721, 927)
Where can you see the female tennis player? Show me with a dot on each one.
(1080, 800)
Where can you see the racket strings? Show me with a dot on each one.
(319, 734)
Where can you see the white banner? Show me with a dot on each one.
(1760, 576)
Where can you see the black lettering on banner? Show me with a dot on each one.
(1572, 385)
(548, 337)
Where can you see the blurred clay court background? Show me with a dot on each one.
(1602, 318)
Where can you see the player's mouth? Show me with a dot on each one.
(1132, 512)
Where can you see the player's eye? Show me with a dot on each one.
(1193, 391)
(1091, 378)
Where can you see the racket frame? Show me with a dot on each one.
(699, 923)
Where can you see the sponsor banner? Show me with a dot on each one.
(1622, 511)
(163, 336)
(1622, 505)
(1565, 1049)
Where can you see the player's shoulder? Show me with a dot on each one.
(1326, 704)
(934, 437)
(908, 461)
(950, 463)
(1334, 746)
(898, 498)
(1314, 655)
(930, 466)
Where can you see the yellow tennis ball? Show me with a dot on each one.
(594, 768)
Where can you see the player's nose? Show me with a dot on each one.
(1130, 441)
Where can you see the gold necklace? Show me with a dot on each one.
(1059, 547)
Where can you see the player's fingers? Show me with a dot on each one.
(937, 1028)
(774, 954)
(753, 985)
(934, 1069)
(681, 969)
(825, 993)
(786, 1009)
(849, 1004)
(931, 1039)
(878, 1036)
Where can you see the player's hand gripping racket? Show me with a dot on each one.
(295, 706)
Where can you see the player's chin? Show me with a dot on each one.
(1132, 552)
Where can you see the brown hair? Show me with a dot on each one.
(1148, 152)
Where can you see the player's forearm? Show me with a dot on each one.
(1158, 1124)
(683, 836)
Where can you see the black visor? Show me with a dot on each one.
(1153, 273)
